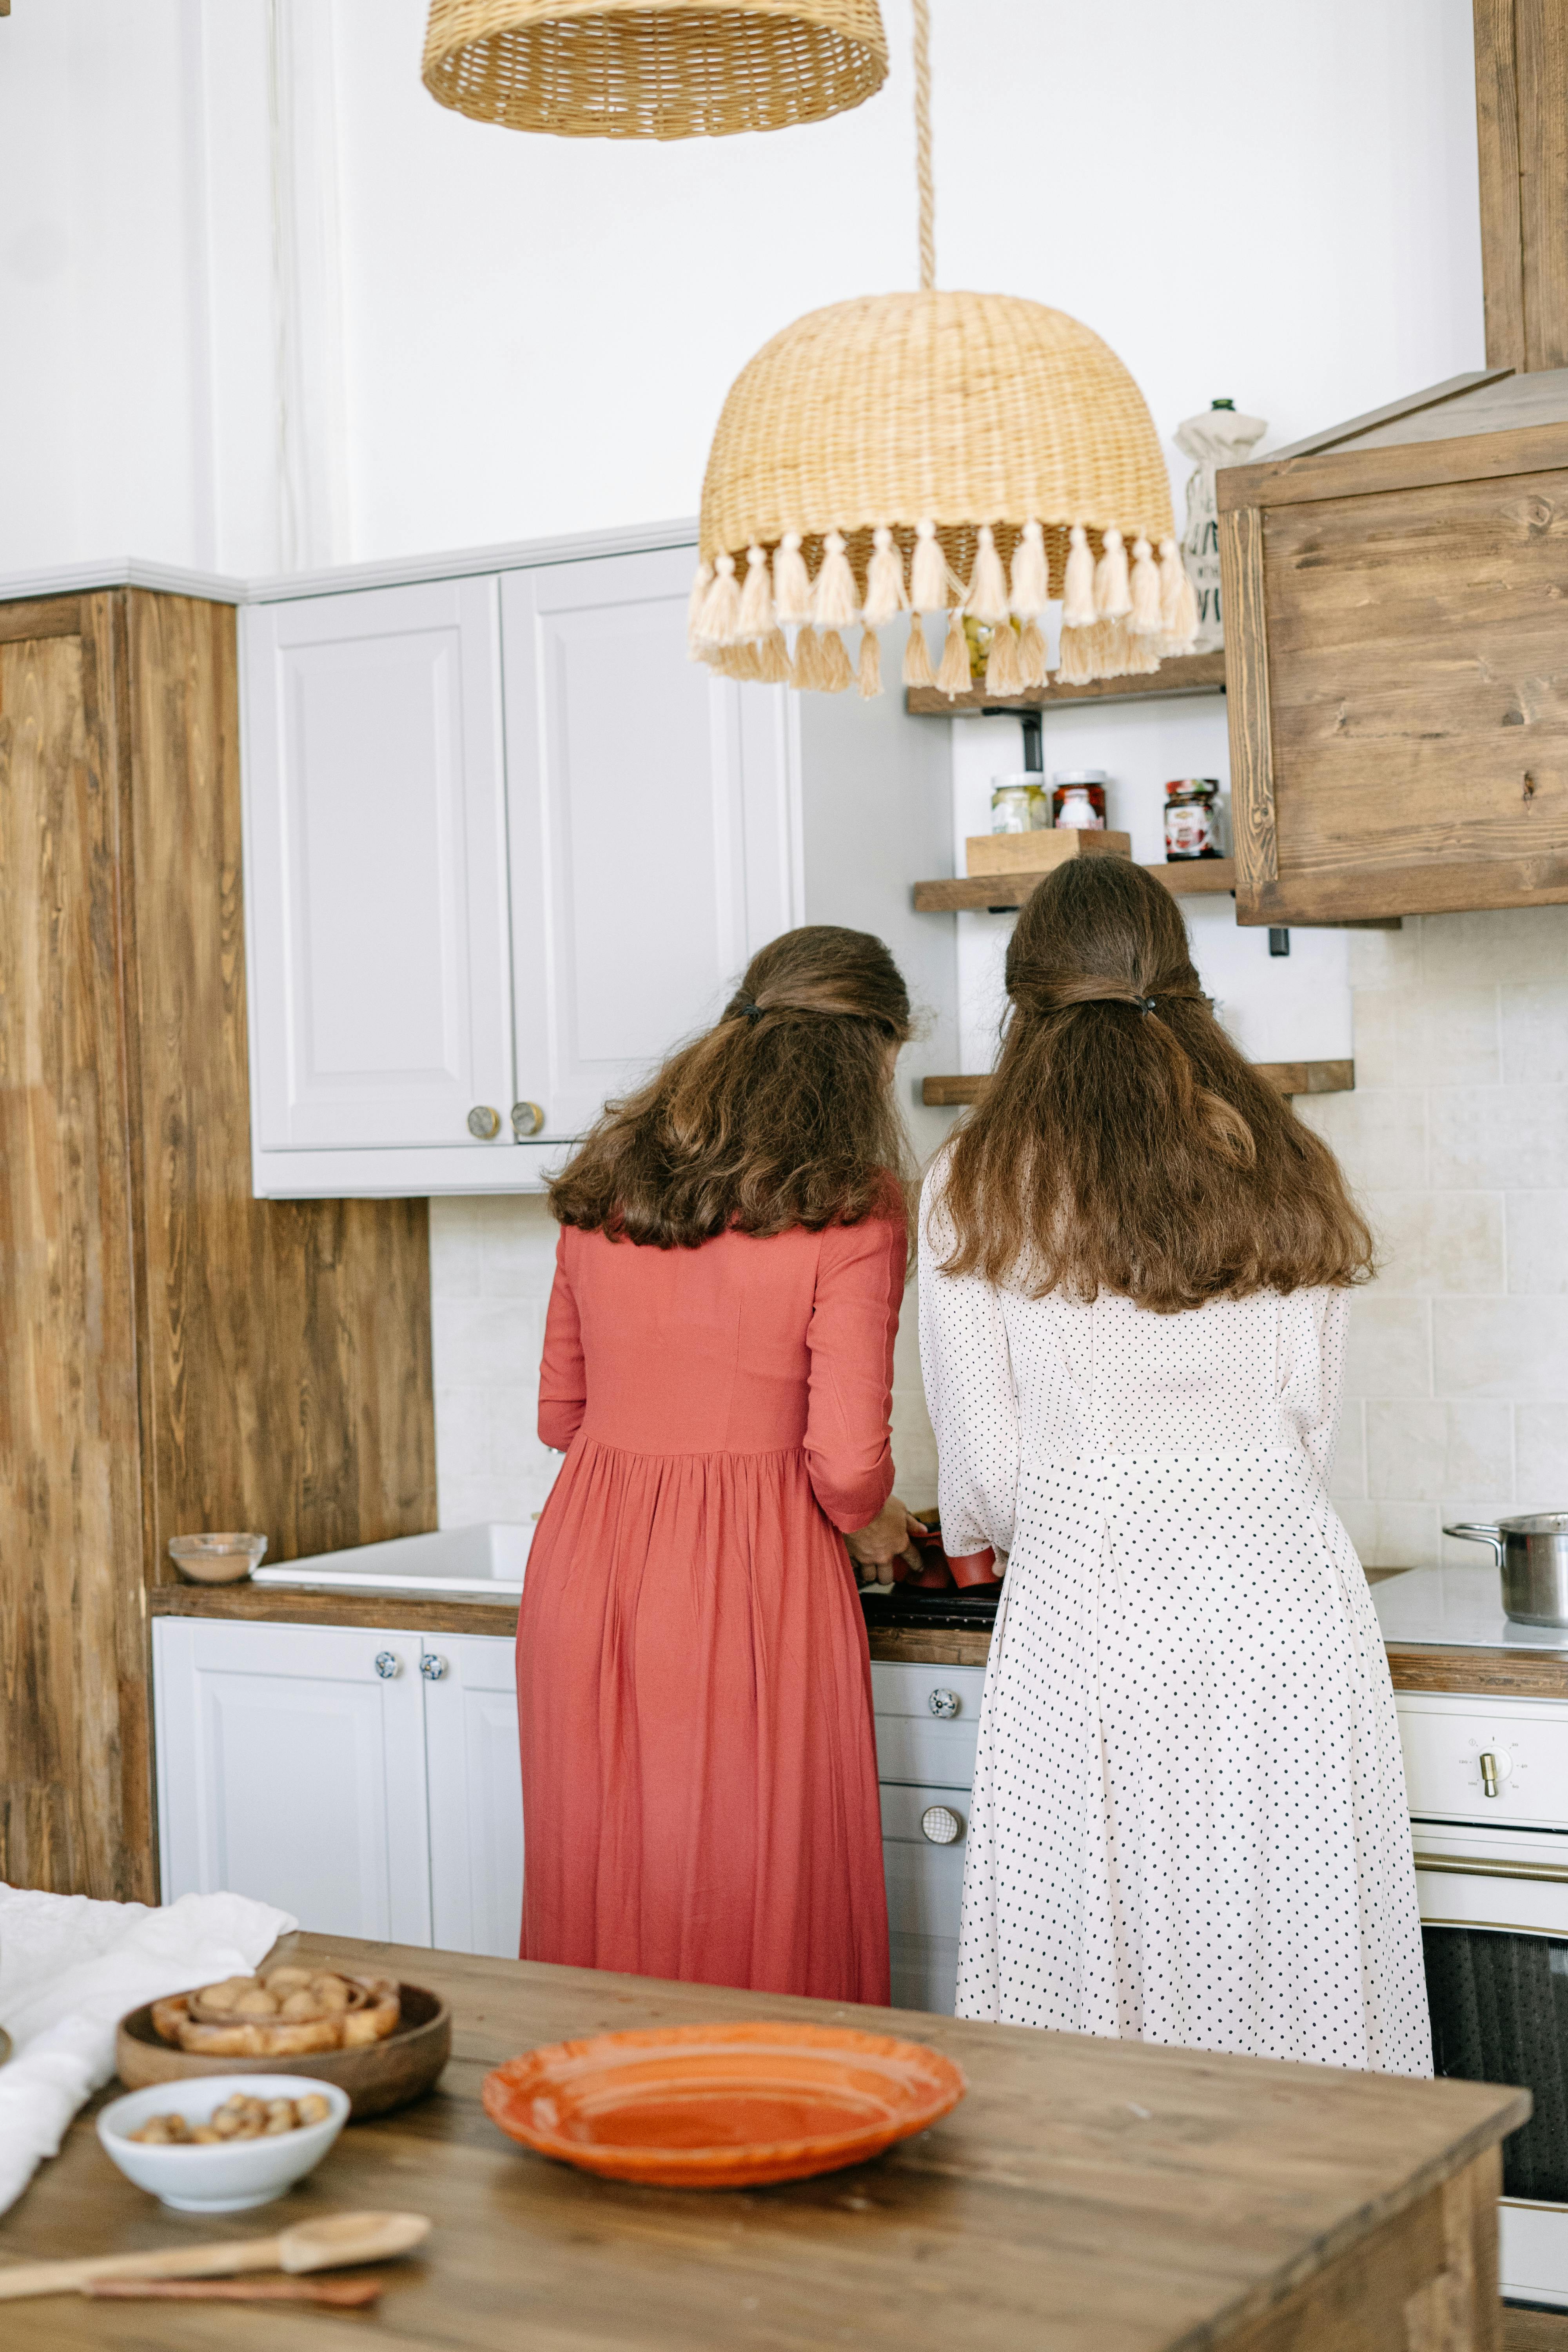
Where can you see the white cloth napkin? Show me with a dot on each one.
(69, 1969)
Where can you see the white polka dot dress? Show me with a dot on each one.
(1189, 1820)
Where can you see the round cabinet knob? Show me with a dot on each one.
(432, 1667)
(484, 1122)
(387, 1663)
(943, 1703)
(527, 1119)
(942, 1825)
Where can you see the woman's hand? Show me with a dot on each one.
(890, 1535)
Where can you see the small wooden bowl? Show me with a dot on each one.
(379, 2076)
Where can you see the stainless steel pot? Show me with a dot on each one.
(1532, 1554)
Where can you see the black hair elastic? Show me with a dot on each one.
(754, 1012)
(1148, 1003)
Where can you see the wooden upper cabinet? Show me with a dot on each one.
(1396, 631)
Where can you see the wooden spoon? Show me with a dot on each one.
(332, 2243)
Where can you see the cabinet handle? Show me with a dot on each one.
(387, 1663)
(484, 1122)
(943, 1703)
(1488, 1774)
(942, 1825)
(432, 1667)
(527, 1118)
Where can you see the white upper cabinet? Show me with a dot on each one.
(379, 983)
(651, 846)
(427, 884)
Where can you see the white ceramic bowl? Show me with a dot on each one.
(237, 2173)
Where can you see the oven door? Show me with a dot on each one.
(1494, 1913)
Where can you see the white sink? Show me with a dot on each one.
(479, 1563)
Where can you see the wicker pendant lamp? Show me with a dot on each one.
(936, 453)
(659, 69)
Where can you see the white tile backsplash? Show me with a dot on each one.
(1456, 1139)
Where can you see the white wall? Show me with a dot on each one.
(267, 303)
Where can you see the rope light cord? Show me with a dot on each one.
(924, 180)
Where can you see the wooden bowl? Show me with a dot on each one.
(721, 2107)
(378, 2076)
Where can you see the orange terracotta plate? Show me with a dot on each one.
(721, 2107)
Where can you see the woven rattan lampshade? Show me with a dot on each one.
(665, 69)
(977, 455)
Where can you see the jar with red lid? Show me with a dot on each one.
(1192, 818)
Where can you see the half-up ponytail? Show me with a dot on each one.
(1124, 1144)
(780, 1115)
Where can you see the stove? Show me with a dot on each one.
(906, 1605)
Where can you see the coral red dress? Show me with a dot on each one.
(694, 1688)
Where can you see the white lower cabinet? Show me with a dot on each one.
(928, 1719)
(366, 1779)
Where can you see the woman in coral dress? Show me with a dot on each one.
(694, 1700)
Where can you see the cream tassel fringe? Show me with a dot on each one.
(773, 660)
(1112, 596)
(700, 587)
(757, 595)
(1031, 574)
(738, 661)
(1178, 603)
(720, 619)
(834, 602)
(869, 669)
(807, 672)
(987, 595)
(836, 673)
(928, 576)
(1034, 657)
(1002, 672)
(791, 585)
(884, 581)
(1076, 665)
(1145, 620)
(1078, 589)
(955, 676)
(918, 671)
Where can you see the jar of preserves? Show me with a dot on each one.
(1012, 805)
(1192, 818)
(1078, 799)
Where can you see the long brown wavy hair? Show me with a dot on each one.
(1124, 1145)
(783, 1114)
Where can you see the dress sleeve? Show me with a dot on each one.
(854, 1322)
(1317, 1375)
(562, 1374)
(974, 1406)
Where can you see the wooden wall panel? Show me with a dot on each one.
(287, 1372)
(1521, 128)
(75, 1794)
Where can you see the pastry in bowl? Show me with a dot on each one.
(287, 2013)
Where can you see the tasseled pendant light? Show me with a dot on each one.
(655, 69)
(941, 454)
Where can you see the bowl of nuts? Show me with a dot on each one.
(228, 2141)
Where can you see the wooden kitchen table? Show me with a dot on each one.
(1087, 2196)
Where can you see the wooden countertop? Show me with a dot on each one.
(1088, 2196)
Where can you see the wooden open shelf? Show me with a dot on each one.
(996, 892)
(1183, 674)
(1290, 1077)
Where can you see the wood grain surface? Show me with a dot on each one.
(1497, 142)
(1502, 1674)
(1087, 2196)
(1247, 719)
(979, 893)
(1183, 674)
(287, 1368)
(177, 1356)
(1416, 465)
(75, 1797)
(1541, 80)
(1290, 1077)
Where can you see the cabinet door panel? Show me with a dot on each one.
(377, 925)
(653, 836)
(475, 1796)
(925, 1892)
(291, 1771)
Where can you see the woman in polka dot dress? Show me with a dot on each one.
(1189, 1821)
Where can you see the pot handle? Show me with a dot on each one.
(1473, 1532)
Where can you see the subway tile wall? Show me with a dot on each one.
(491, 1262)
(1456, 1139)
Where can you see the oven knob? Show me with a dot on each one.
(943, 1703)
(942, 1825)
(1496, 1764)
